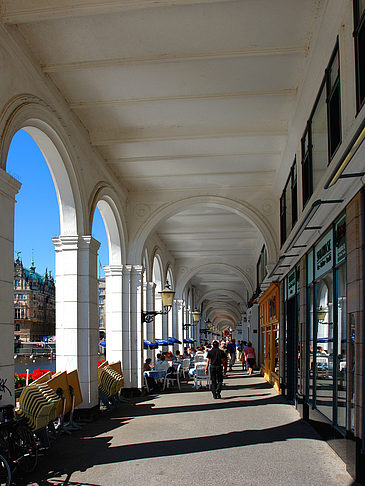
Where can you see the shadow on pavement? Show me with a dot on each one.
(80, 454)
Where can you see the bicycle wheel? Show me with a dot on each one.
(24, 448)
(5, 472)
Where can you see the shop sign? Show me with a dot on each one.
(340, 240)
(323, 255)
(292, 281)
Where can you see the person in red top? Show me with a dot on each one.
(250, 357)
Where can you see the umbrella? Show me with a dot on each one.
(161, 342)
(173, 340)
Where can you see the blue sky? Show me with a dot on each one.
(36, 210)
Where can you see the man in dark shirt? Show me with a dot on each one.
(216, 359)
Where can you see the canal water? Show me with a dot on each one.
(22, 363)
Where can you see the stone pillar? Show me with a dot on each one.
(114, 313)
(126, 326)
(77, 311)
(8, 189)
(158, 318)
(180, 323)
(150, 303)
(174, 321)
(136, 335)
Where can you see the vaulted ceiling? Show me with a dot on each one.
(181, 93)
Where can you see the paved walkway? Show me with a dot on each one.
(250, 437)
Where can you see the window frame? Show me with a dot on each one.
(331, 92)
(359, 26)
(293, 181)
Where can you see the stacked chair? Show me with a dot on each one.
(48, 400)
(110, 382)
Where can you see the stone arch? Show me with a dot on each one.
(104, 198)
(147, 265)
(234, 295)
(31, 114)
(190, 274)
(242, 209)
(157, 259)
(170, 276)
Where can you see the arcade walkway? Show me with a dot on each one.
(251, 437)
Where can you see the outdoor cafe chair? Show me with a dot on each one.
(171, 377)
(200, 376)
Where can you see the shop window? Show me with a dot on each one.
(322, 135)
(289, 205)
(359, 38)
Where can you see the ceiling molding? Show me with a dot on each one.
(121, 137)
(161, 158)
(200, 174)
(172, 58)
(12, 14)
(82, 105)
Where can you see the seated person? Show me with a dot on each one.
(152, 385)
(178, 356)
(147, 364)
(162, 364)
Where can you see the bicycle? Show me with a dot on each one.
(17, 444)
(5, 472)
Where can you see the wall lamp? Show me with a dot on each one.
(167, 296)
(196, 316)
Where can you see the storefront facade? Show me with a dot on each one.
(269, 327)
(321, 366)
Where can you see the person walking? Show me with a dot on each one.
(216, 360)
(250, 356)
(231, 350)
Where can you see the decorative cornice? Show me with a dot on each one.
(172, 58)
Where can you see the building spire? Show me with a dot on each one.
(32, 266)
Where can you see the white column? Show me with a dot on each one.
(136, 326)
(158, 318)
(126, 326)
(174, 324)
(77, 311)
(180, 323)
(8, 189)
(150, 304)
(113, 313)
(165, 326)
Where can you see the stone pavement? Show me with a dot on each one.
(250, 437)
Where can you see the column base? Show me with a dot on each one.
(87, 414)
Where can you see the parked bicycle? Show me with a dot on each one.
(5, 472)
(18, 448)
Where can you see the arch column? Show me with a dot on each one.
(150, 304)
(77, 311)
(8, 189)
(114, 313)
(180, 322)
(135, 273)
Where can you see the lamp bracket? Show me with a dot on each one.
(149, 316)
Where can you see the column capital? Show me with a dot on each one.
(135, 269)
(9, 186)
(151, 285)
(113, 270)
(75, 242)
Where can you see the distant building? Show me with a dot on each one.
(34, 303)
(101, 307)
